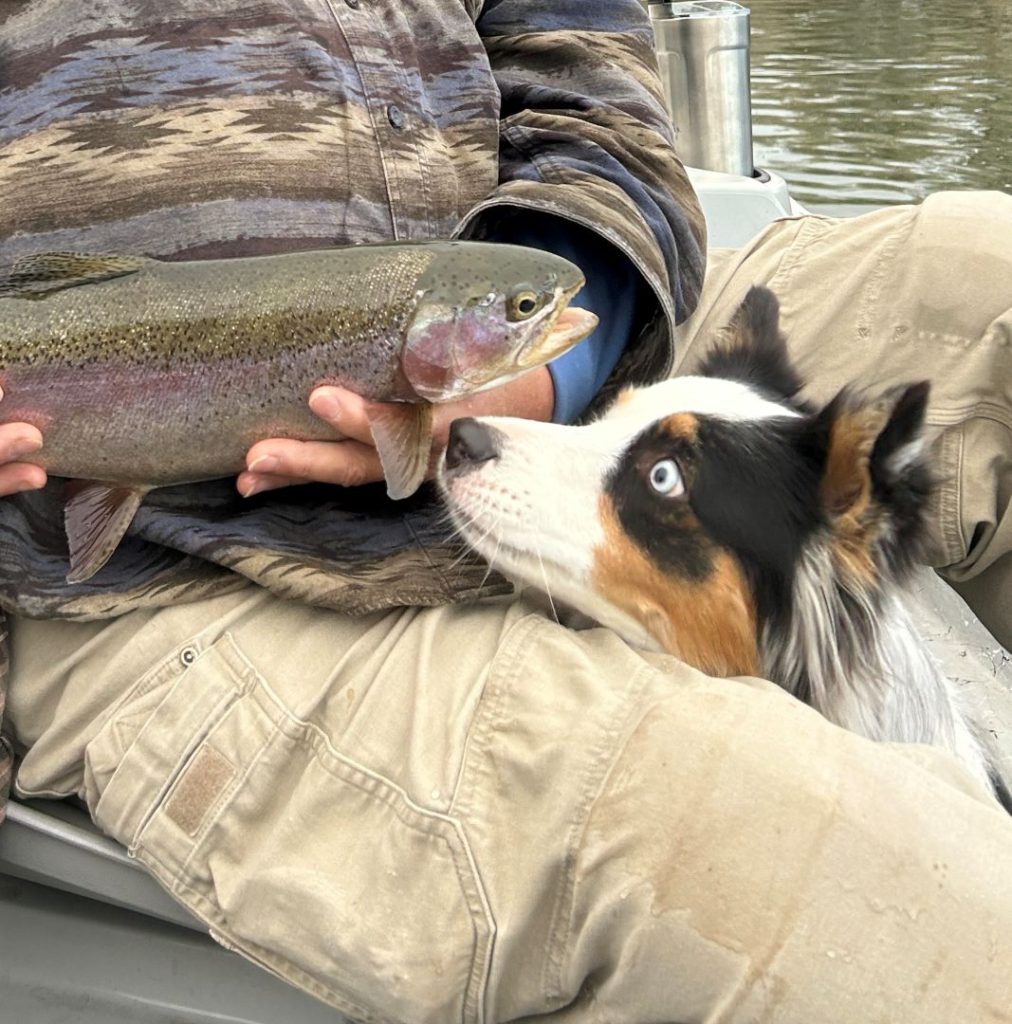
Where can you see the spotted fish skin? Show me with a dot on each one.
(141, 373)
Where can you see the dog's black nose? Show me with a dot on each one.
(470, 443)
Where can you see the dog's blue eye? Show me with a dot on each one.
(666, 478)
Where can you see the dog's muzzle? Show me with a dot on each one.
(470, 444)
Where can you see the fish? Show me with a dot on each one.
(143, 373)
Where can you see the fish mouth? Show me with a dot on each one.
(573, 325)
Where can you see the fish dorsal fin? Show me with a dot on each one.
(43, 272)
(403, 435)
(96, 517)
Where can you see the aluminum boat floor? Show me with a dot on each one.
(970, 657)
(69, 960)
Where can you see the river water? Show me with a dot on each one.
(864, 103)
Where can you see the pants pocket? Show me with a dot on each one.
(319, 869)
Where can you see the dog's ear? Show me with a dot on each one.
(871, 447)
(875, 466)
(899, 448)
(753, 350)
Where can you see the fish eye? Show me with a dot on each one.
(523, 305)
(666, 478)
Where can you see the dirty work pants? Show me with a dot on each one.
(474, 814)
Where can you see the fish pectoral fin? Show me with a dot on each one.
(96, 517)
(43, 272)
(403, 436)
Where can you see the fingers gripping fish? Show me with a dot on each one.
(142, 373)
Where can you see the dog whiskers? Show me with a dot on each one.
(459, 528)
(548, 589)
(491, 561)
(466, 526)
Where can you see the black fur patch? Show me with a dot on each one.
(754, 351)
(751, 488)
(757, 493)
(904, 490)
(662, 527)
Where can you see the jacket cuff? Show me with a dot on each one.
(593, 205)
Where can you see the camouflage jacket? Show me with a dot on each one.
(214, 128)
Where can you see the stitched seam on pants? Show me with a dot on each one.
(963, 341)
(210, 914)
(177, 767)
(379, 787)
(497, 683)
(951, 491)
(705, 325)
(950, 510)
(600, 764)
(812, 228)
(506, 670)
(887, 252)
(952, 415)
(219, 806)
(500, 681)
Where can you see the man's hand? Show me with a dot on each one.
(16, 441)
(279, 463)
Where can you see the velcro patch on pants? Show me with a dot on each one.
(201, 785)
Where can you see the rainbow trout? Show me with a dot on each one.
(142, 373)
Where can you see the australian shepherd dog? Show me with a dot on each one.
(723, 519)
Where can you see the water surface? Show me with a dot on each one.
(865, 103)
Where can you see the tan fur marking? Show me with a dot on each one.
(681, 424)
(846, 491)
(709, 624)
(846, 485)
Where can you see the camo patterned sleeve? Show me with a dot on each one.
(584, 135)
(6, 747)
(219, 128)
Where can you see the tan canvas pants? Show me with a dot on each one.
(473, 814)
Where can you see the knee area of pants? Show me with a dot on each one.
(702, 811)
(724, 750)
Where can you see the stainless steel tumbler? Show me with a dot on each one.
(703, 51)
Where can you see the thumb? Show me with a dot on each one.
(343, 410)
